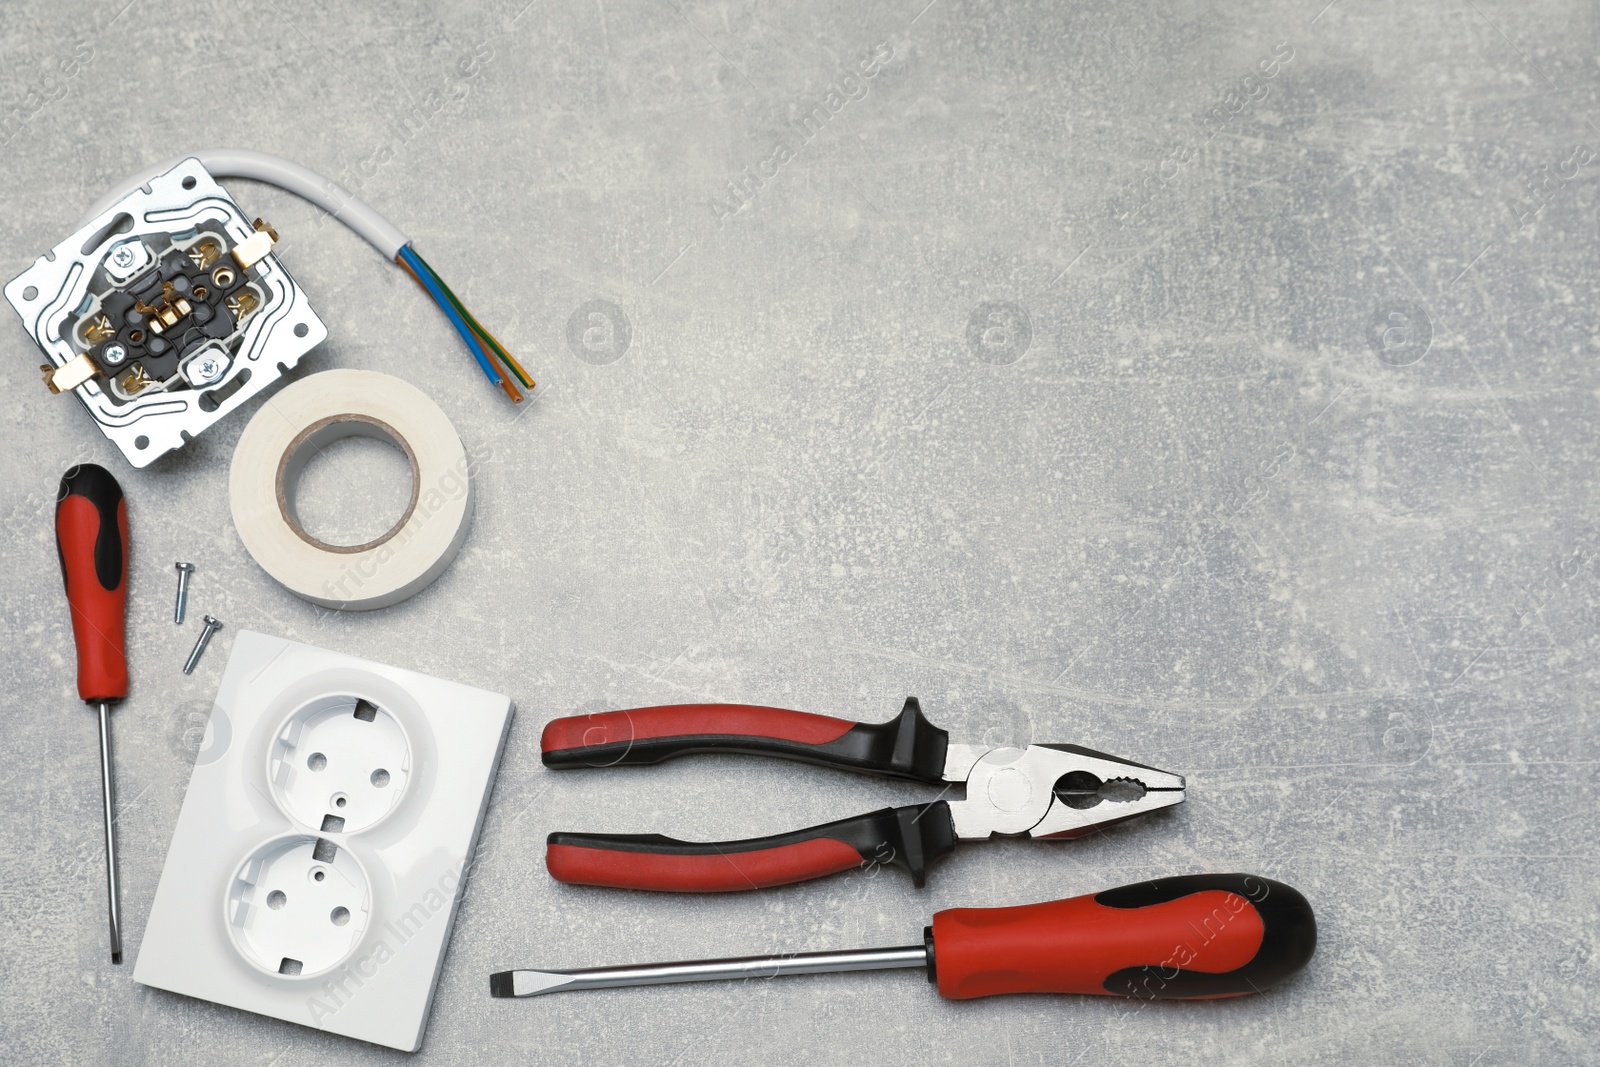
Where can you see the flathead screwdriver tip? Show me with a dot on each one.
(529, 983)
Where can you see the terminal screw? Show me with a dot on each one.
(182, 606)
(205, 370)
(212, 626)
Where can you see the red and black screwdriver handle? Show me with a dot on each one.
(92, 542)
(908, 746)
(1194, 937)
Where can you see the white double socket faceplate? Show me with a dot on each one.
(324, 841)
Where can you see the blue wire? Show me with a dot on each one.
(414, 261)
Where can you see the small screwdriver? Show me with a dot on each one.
(92, 542)
(1192, 937)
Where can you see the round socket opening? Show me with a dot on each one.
(339, 764)
(298, 906)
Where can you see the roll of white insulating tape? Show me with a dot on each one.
(301, 419)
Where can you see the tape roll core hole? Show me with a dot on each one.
(313, 445)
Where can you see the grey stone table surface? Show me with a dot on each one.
(1213, 385)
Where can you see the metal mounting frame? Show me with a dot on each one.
(273, 339)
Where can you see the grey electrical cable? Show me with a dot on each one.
(327, 194)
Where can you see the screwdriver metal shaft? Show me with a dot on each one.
(111, 832)
(534, 983)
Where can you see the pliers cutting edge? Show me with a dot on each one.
(1041, 791)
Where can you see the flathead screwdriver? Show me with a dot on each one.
(1191, 937)
(92, 542)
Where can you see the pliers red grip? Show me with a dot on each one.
(1041, 791)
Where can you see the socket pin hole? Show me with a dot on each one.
(317, 761)
(380, 777)
(339, 916)
(277, 899)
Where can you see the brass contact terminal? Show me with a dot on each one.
(70, 374)
(253, 249)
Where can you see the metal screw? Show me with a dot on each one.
(182, 606)
(206, 370)
(122, 255)
(212, 626)
(113, 354)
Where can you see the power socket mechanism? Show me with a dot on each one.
(324, 841)
(165, 312)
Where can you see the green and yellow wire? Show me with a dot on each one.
(480, 342)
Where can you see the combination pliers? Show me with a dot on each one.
(1040, 791)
